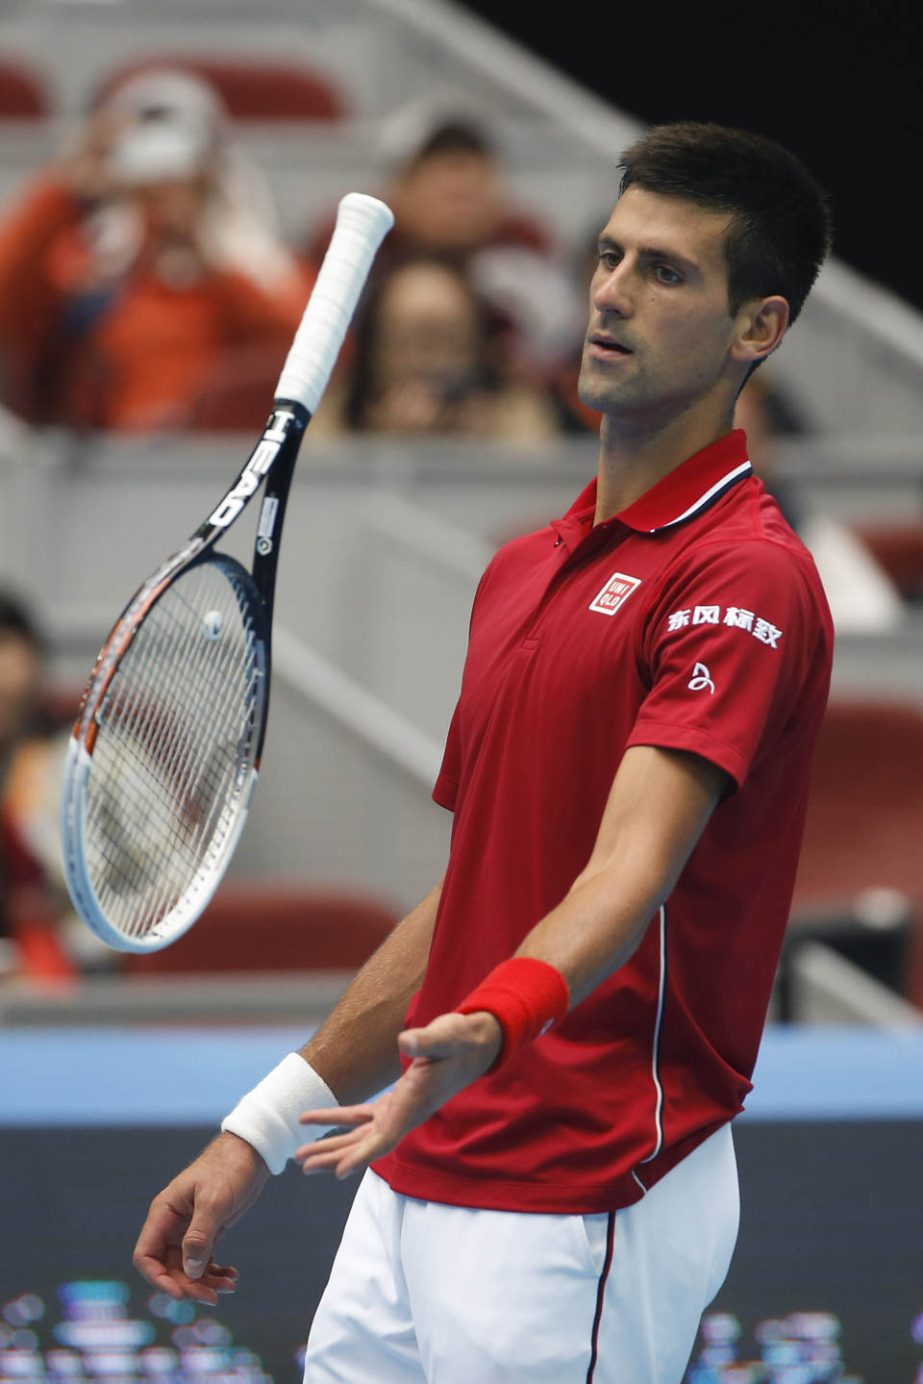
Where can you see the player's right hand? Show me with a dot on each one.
(185, 1222)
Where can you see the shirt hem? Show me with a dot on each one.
(455, 1188)
(664, 735)
(445, 792)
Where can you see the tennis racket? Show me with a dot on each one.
(166, 750)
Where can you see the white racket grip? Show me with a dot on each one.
(361, 225)
(267, 1116)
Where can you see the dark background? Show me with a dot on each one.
(839, 84)
(832, 1222)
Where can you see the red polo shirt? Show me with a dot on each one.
(693, 620)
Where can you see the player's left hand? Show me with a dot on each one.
(447, 1055)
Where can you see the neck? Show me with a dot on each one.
(633, 458)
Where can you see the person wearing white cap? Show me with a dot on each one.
(137, 267)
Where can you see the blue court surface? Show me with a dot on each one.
(830, 1111)
(192, 1076)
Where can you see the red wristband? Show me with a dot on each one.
(526, 996)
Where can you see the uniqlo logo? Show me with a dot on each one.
(615, 593)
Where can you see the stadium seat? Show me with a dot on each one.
(860, 879)
(865, 819)
(288, 926)
(898, 549)
(23, 95)
(250, 88)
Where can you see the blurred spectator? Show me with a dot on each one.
(131, 268)
(861, 596)
(449, 197)
(428, 358)
(31, 906)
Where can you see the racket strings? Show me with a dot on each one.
(184, 757)
(166, 743)
(129, 709)
(177, 739)
(153, 857)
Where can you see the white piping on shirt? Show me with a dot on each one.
(741, 470)
(658, 1023)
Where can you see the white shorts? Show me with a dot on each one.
(424, 1293)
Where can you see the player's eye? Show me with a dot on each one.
(666, 274)
(608, 258)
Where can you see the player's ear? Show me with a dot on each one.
(761, 325)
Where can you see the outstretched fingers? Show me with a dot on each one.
(339, 1115)
(344, 1152)
(446, 1055)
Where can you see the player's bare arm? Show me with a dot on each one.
(355, 1049)
(355, 1052)
(658, 807)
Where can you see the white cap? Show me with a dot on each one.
(169, 92)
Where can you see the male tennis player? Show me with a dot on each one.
(577, 1006)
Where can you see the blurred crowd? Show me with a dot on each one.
(142, 263)
(37, 938)
(145, 285)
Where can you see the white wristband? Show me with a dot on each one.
(267, 1116)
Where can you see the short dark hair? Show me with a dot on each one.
(360, 390)
(780, 229)
(16, 619)
(452, 137)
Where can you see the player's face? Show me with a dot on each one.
(660, 328)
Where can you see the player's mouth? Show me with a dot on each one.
(605, 347)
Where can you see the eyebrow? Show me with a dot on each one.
(652, 252)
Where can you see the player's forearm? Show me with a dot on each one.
(355, 1050)
(659, 806)
(598, 926)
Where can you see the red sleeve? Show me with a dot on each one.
(728, 648)
(44, 210)
(30, 299)
(249, 314)
(446, 787)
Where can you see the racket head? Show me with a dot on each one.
(165, 755)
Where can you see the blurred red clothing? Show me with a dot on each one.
(129, 350)
(27, 913)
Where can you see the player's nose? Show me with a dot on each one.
(613, 290)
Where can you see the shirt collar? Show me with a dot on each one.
(683, 493)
